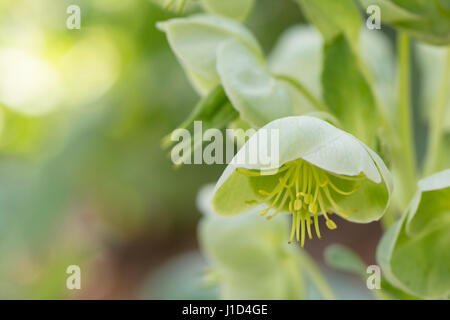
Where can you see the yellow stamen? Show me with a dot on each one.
(308, 225)
(331, 225)
(297, 204)
(294, 219)
(297, 223)
(312, 208)
(303, 232)
(305, 191)
(248, 172)
(334, 204)
(316, 225)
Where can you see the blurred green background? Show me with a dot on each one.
(83, 179)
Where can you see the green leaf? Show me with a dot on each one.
(414, 252)
(333, 18)
(234, 9)
(251, 255)
(318, 143)
(344, 259)
(298, 54)
(195, 40)
(252, 90)
(347, 92)
(426, 20)
(390, 11)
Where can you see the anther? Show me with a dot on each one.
(313, 208)
(297, 205)
(263, 212)
(330, 224)
(308, 198)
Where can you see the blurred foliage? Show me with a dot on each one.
(82, 113)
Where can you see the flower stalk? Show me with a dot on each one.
(404, 158)
(436, 121)
(305, 191)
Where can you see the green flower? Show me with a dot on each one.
(414, 253)
(235, 9)
(427, 20)
(321, 170)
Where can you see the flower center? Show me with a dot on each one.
(305, 191)
(176, 5)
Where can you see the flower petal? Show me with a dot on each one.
(257, 96)
(195, 40)
(234, 9)
(319, 143)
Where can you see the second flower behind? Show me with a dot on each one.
(319, 170)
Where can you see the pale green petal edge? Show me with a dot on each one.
(315, 141)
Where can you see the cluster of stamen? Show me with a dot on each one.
(307, 192)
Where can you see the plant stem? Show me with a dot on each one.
(302, 89)
(404, 159)
(316, 276)
(436, 121)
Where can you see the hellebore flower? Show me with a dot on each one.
(414, 253)
(320, 170)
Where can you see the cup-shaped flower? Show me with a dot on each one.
(313, 169)
(414, 253)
